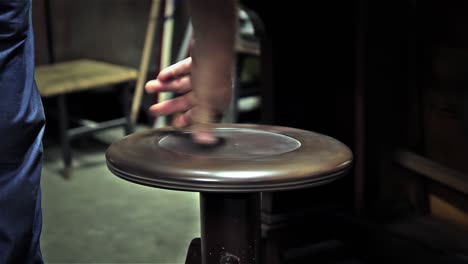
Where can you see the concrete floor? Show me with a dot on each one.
(96, 217)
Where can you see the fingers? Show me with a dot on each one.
(171, 106)
(202, 133)
(179, 85)
(203, 119)
(180, 68)
(204, 136)
(175, 78)
(182, 120)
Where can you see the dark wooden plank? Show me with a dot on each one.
(433, 170)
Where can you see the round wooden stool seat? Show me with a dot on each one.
(248, 158)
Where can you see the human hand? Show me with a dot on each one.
(188, 108)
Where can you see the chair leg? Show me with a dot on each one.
(129, 128)
(64, 139)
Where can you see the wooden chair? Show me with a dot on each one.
(57, 80)
(60, 79)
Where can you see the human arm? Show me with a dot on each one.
(204, 81)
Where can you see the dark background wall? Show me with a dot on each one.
(107, 30)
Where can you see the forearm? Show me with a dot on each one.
(215, 28)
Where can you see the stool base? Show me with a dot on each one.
(230, 230)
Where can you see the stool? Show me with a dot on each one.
(229, 177)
